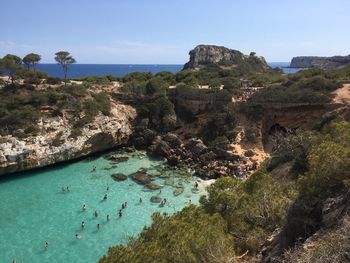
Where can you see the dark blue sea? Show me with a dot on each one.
(120, 70)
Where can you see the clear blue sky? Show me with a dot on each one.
(163, 31)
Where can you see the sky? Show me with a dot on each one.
(164, 31)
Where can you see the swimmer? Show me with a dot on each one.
(105, 197)
(98, 226)
(96, 214)
(84, 207)
(77, 236)
(82, 225)
(140, 200)
(120, 213)
(93, 169)
(196, 185)
(63, 190)
(107, 217)
(189, 202)
(123, 206)
(46, 245)
(67, 189)
(107, 188)
(126, 204)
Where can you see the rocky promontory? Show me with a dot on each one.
(204, 55)
(320, 62)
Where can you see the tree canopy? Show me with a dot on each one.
(31, 60)
(64, 59)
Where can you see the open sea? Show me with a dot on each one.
(120, 70)
(34, 209)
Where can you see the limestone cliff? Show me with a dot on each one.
(204, 55)
(104, 132)
(321, 62)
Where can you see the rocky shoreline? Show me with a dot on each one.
(205, 162)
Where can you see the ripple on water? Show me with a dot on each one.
(35, 209)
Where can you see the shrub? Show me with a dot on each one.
(252, 208)
(188, 236)
(53, 81)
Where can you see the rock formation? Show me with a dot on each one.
(321, 62)
(19, 154)
(204, 55)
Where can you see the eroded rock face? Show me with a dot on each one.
(105, 132)
(203, 55)
(321, 62)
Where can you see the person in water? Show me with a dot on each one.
(196, 185)
(77, 236)
(93, 169)
(107, 217)
(63, 189)
(98, 226)
(140, 200)
(123, 206)
(120, 213)
(105, 197)
(84, 207)
(96, 214)
(107, 188)
(126, 204)
(82, 225)
(46, 245)
(67, 189)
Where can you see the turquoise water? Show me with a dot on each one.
(34, 209)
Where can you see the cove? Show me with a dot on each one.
(34, 208)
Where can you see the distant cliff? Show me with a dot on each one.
(204, 55)
(321, 62)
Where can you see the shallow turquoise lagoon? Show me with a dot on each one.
(34, 209)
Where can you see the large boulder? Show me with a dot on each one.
(160, 148)
(142, 137)
(196, 147)
(172, 139)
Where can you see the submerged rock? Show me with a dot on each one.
(169, 181)
(119, 177)
(140, 178)
(118, 159)
(156, 199)
(142, 170)
(178, 191)
(153, 186)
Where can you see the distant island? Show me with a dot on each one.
(320, 62)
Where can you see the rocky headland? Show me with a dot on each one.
(320, 62)
(209, 55)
